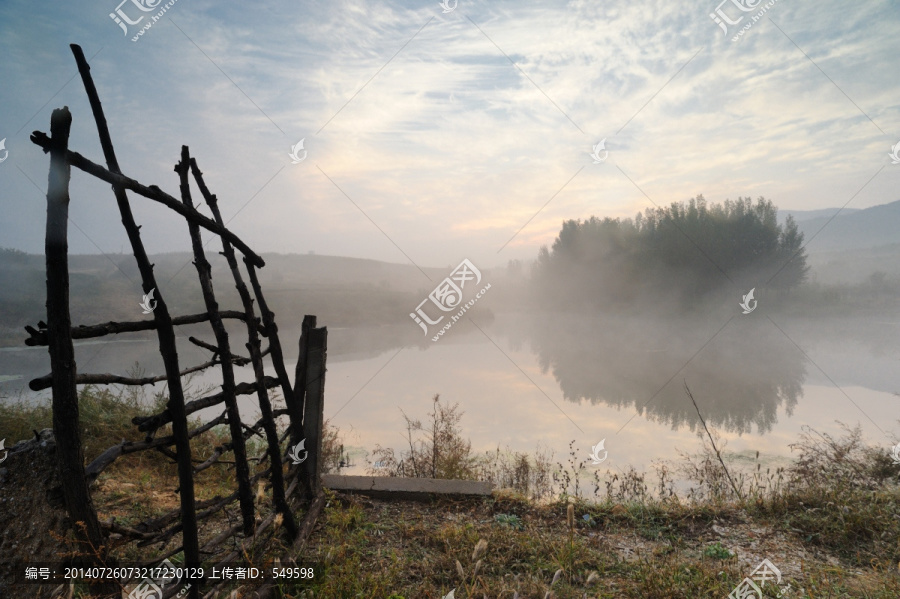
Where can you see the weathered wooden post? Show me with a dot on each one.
(66, 428)
(204, 272)
(164, 328)
(314, 408)
(295, 407)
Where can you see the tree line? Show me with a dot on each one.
(682, 253)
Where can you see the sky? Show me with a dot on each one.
(435, 133)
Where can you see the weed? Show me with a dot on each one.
(509, 520)
(717, 551)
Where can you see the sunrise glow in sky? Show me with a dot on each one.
(433, 136)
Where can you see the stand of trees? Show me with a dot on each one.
(684, 252)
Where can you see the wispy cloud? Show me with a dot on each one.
(444, 143)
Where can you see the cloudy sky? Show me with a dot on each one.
(433, 136)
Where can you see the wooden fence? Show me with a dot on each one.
(304, 399)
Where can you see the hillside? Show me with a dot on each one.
(850, 229)
(354, 292)
(342, 292)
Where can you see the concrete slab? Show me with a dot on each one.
(388, 487)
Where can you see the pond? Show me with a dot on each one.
(527, 382)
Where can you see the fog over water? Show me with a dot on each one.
(532, 381)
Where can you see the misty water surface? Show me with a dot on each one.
(527, 382)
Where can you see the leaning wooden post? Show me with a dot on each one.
(278, 487)
(295, 408)
(164, 329)
(314, 409)
(253, 346)
(271, 332)
(204, 272)
(66, 428)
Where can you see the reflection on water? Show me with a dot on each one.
(740, 375)
(529, 382)
(119, 354)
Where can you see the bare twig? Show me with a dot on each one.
(150, 423)
(114, 379)
(712, 441)
(113, 453)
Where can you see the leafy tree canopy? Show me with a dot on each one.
(691, 247)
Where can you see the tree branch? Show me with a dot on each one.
(39, 336)
(154, 422)
(153, 193)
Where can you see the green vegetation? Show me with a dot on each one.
(684, 251)
(510, 520)
(717, 551)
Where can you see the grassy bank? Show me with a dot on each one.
(830, 522)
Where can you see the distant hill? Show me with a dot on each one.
(851, 229)
(802, 215)
(343, 292)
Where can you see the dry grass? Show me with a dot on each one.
(829, 521)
